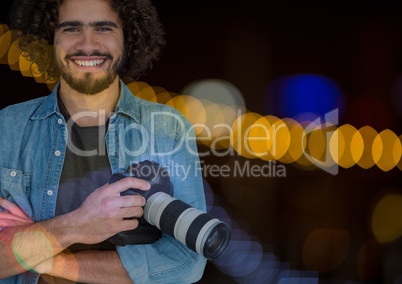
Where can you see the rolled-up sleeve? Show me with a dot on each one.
(166, 261)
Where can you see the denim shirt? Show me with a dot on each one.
(33, 141)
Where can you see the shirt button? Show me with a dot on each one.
(50, 192)
(59, 121)
(13, 173)
(57, 153)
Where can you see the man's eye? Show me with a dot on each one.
(71, 30)
(104, 29)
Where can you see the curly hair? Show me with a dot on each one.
(37, 20)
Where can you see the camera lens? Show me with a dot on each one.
(199, 231)
(217, 241)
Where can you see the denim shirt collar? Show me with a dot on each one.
(127, 104)
(48, 106)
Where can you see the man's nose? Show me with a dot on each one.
(88, 42)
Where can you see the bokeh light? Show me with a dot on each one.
(230, 114)
(266, 272)
(214, 127)
(325, 249)
(6, 39)
(31, 69)
(368, 134)
(13, 56)
(162, 95)
(25, 66)
(386, 150)
(19, 247)
(136, 87)
(192, 109)
(349, 145)
(293, 96)
(247, 260)
(260, 137)
(41, 76)
(305, 163)
(280, 139)
(317, 144)
(297, 143)
(242, 256)
(217, 91)
(269, 138)
(386, 220)
(143, 91)
(241, 128)
(318, 148)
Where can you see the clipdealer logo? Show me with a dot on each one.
(146, 143)
(326, 127)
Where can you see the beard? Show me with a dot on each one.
(88, 83)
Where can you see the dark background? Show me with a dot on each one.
(250, 43)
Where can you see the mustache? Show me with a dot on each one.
(95, 53)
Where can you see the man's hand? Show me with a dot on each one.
(104, 213)
(13, 216)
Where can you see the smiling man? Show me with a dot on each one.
(89, 47)
(58, 152)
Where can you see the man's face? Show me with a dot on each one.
(89, 45)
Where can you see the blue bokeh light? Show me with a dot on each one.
(293, 96)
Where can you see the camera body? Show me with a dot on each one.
(199, 231)
(159, 180)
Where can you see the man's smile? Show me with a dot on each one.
(88, 63)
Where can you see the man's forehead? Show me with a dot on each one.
(87, 11)
(61, 2)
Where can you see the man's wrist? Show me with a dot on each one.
(63, 265)
(62, 231)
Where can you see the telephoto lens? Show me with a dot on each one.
(199, 231)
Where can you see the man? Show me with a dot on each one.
(57, 210)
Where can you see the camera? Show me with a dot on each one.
(199, 231)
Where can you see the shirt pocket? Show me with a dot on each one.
(15, 187)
